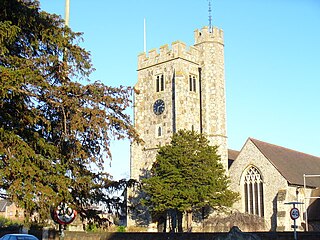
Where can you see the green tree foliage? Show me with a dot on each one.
(187, 175)
(55, 133)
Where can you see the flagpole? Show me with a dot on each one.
(67, 7)
(144, 36)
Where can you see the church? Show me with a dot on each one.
(183, 87)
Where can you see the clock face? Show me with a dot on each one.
(158, 107)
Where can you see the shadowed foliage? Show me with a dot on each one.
(55, 132)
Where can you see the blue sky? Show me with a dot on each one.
(272, 59)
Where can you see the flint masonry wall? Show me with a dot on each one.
(200, 107)
(178, 63)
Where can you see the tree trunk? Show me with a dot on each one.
(189, 221)
(162, 223)
(173, 218)
(179, 218)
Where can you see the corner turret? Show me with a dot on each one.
(205, 35)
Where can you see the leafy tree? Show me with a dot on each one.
(55, 133)
(187, 175)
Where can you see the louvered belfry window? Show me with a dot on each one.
(192, 83)
(160, 83)
(253, 192)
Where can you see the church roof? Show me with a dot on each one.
(232, 155)
(291, 164)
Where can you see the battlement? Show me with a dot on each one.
(204, 35)
(164, 54)
(179, 49)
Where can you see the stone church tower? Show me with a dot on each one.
(179, 88)
(182, 87)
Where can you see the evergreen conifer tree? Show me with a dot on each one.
(187, 176)
(55, 132)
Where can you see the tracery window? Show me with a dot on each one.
(253, 192)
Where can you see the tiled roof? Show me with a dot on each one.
(291, 164)
(232, 155)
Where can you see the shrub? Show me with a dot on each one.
(121, 229)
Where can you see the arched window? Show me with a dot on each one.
(159, 131)
(253, 192)
(162, 83)
(158, 84)
(192, 83)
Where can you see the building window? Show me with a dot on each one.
(160, 83)
(159, 131)
(253, 192)
(192, 83)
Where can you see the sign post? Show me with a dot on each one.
(294, 215)
(63, 215)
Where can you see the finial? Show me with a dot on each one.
(210, 16)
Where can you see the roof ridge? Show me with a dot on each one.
(286, 160)
(278, 146)
(254, 141)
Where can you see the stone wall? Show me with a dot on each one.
(53, 235)
(184, 109)
(197, 104)
(251, 156)
(276, 190)
(184, 236)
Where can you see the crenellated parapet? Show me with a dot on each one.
(180, 50)
(205, 35)
(164, 54)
